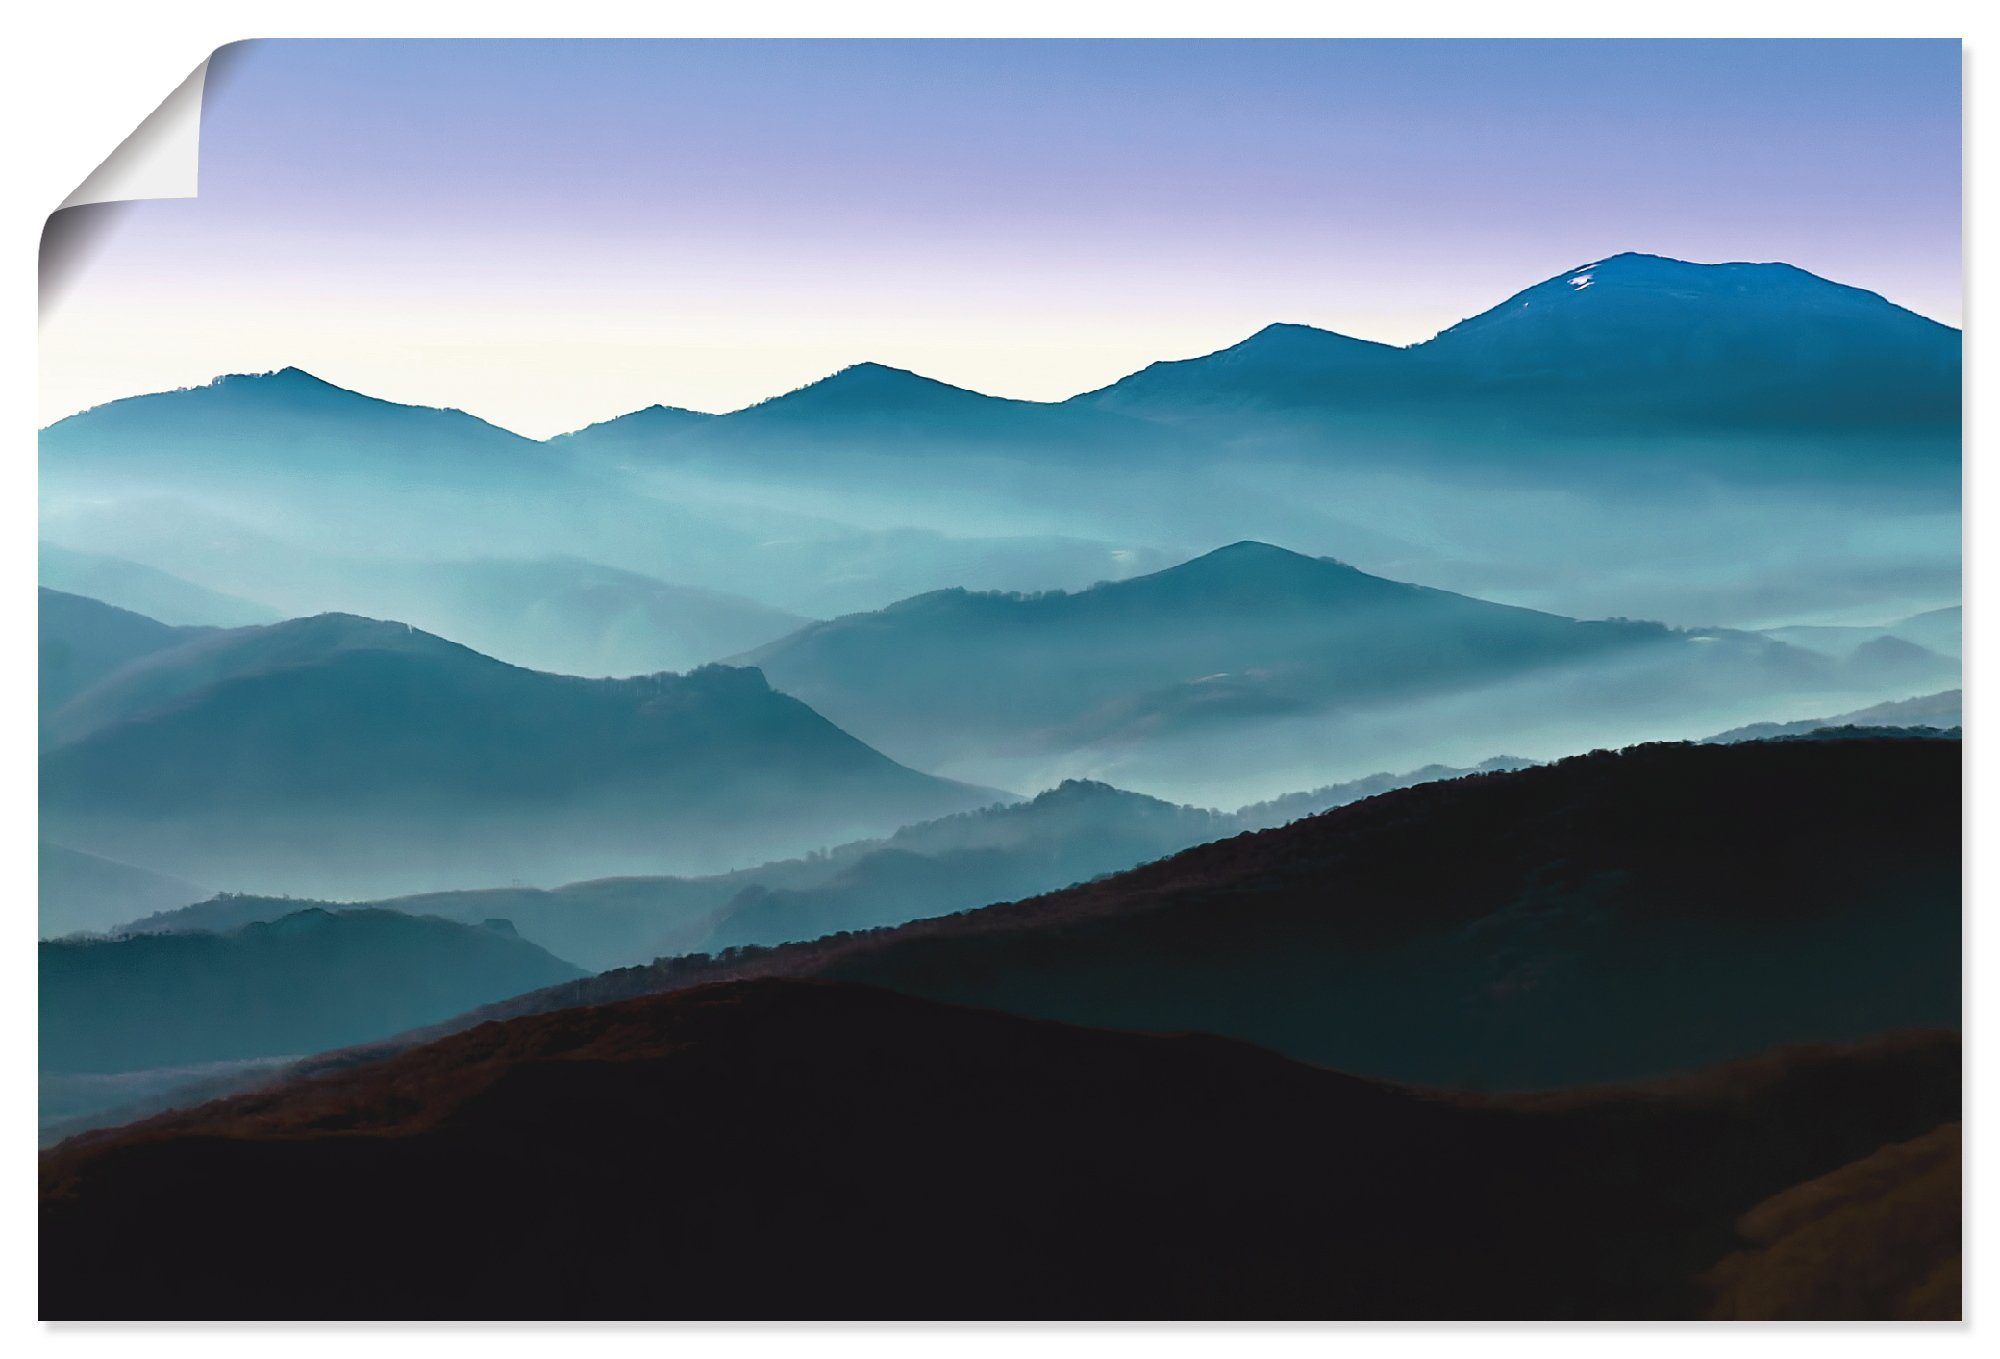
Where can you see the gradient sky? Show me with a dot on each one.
(549, 233)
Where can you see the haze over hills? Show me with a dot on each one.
(1942, 712)
(572, 616)
(935, 867)
(145, 590)
(1062, 836)
(80, 641)
(313, 979)
(1697, 903)
(810, 1145)
(686, 539)
(559, 613)
(288, 423)
(1065, 835)
(1935, 630)
(1743, 445)
(345, 756)
(1248, 669)
(78, 891)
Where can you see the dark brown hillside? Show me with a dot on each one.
(1879, 1238)
(787, 1149)
(1610, 917)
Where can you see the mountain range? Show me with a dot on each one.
(1257, 664)
(870, 411)
(345, 756)
(824, 1024)
(1636, 344)
(1666, 439)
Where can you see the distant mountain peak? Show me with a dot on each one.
(657, 418)
(1284, 359)
(1633, 338)
(1246, 549)
(864, 385)
(289, 393)
(1251, 573)
(1078, 790)
(1249, 554)
(1295, 338)
(290, 373)
(1633, 274)
(287, 380)
(869, 370)
(868, 373)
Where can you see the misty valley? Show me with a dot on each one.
(1317, 829)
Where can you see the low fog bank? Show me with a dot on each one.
(1542, 718)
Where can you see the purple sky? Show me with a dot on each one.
(551, 233)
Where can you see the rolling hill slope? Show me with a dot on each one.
(788, 1150)
(1607, 917)
(345, 756)
(81, 640)
(1228, 664)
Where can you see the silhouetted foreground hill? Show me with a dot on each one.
(311, 980)
(1608, 917)
(791, 1150)
(1877, 1238)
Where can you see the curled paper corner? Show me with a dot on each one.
(160, 159)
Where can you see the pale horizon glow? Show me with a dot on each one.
(551, 234)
